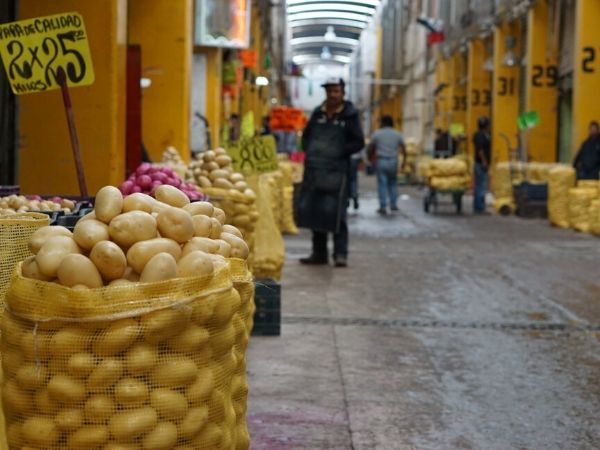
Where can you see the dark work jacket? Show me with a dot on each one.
(328, 144)
(587, 161)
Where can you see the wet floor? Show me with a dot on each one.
(445, 332)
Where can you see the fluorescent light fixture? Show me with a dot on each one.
(330, 34)
(326, 53)
(262, 81)
(510, 59)
(488, 65)
(145, 83)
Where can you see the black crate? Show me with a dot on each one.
(267, 317)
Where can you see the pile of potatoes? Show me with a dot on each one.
(15, 204)
(214, 168)
(136, 238)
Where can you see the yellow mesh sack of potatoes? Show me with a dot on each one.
(589, 184)
(580, 200)
(243, 282)
(148, 365)
(287, 224)
(269, 248)
(423, 166)
(594, 212)
(448, 167)
(240, 209)
(561, 178)
(538, 172)
(449, 183)
(15, 231)
(503, 176)
(276, 183)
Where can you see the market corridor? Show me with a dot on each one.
(445, 332)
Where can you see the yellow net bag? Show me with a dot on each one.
(423, 166)
(580, 200)
(449, 183)
(15, 231)
(448, 167)
(153, 365)
(287, 224)
(588, 184)
(561, 178)
(595, 217)
(269, 248)
(276, 190)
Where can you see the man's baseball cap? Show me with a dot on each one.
(334, 81)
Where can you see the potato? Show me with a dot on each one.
(14, 399)
(42, 234)
(39, 432)
(161, 267)
(141, 252)
(108, 204)
(202, 225)
(89, 436)
(163, 437)
(222, 183)
(241, 186)
(171, 196)
(30, 269)
(194, 421)
(190, 340)
(11, 360)
(88, 216)
(241, 220)
(52, 252)
(128, 228)
(121, 446)
(223, 160)
(158, 207)
(109, 259)
(121, 282)
(200, 243)
(239, 248)
(138, 202)
(13, 432)
(66, 389)
(69, 340)
(131, 275)
(176, 224)
(209, 155)
(141, 358)
(89, 232)
(129, 425)
(197, 392)
(224, 248)
(69, 419)
(194, 264)
(76, 269)
(163, 324)
(204, 182)
(31, 376)
(106, 373)
(174, 372)
(216, 228)
(118, 336)
(80, 365)
(169, 404)
(232, 230)
(220, 215)
(204, 208)
(218, 174)
(98, 408)
(131, 392)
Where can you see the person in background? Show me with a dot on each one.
(385, 145)
(355, 161)
(587, 161)
(444, 146)
(266, 126)
(483, 155)
(234, 128)
(330, 137)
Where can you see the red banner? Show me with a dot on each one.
(284, 118)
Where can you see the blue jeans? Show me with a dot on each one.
(387, 181)
(481, 185)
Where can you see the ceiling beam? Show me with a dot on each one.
(373, 3)
(320, 40)
(308, 59)
(319, 7)
(331, 15)
(341, 24)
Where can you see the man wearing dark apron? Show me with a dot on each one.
(331, 136)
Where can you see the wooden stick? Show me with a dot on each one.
(61, 78)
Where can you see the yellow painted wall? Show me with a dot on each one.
(458, 89)
(541, 86)
(46, 164)
(214, 65)
(479, 94)
(586, 77)
(505, 93)
(164, 30)
(442, 100)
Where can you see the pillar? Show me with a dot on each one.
(214, 104)
(505, 92)
(46, 163)
(479, 96)
(458, 90)
(586, 76)
(541, 92)
(163, 28)
(442, 98)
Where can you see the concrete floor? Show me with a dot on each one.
(445, 332)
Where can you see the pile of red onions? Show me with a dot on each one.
(147, 177)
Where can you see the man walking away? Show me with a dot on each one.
(331, 136)
(385, 144)
(587, 161)
(483, 154)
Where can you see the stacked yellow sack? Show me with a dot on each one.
(423, 165)
(588, 184)
(538, 172)
(412, 153)
(287, 224)
(450, 173)
(269, 248)
(580, 200)
(501, 184)
(595, 217)
(276, 183)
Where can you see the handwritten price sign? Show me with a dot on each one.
(258, 154)
(33, 50)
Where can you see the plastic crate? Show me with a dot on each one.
(267, 317)
(7, 190)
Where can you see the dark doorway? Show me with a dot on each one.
(8, 109)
